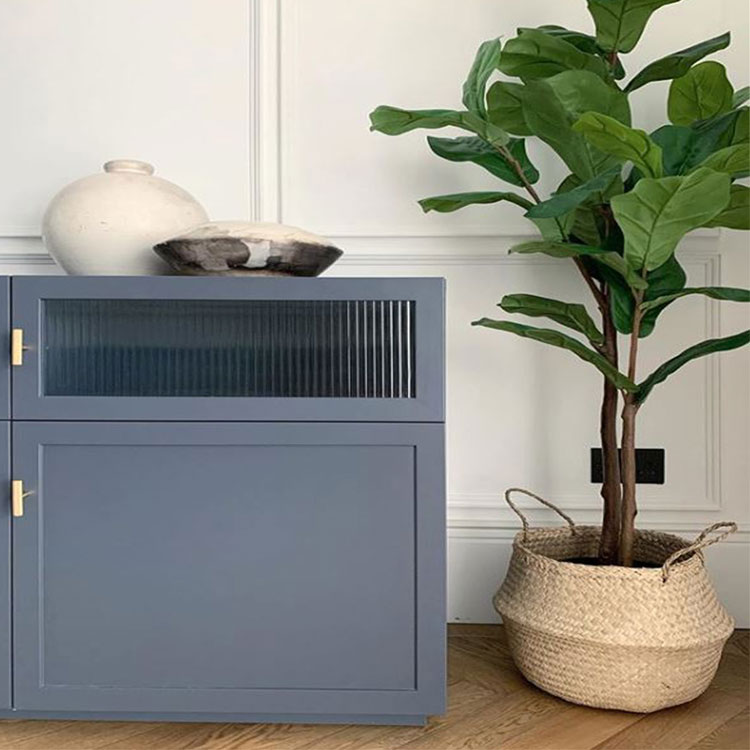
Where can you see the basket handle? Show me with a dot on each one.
(701, 542)
(523, 518)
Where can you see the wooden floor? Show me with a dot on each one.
(490, 706)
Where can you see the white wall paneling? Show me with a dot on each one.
(259, 107)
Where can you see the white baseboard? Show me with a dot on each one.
(478, 559)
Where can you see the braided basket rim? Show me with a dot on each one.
(521, 539)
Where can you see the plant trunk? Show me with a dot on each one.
(611, 487)
(629, 507)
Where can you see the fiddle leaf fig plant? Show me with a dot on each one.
(619, 215)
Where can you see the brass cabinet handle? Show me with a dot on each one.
(16, 347)
(17, 497)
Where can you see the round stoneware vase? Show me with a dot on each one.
(634, 639)
(107, 223)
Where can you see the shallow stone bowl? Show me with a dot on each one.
(235, 248)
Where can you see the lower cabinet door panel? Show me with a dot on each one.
(229, 567)
(5, 600)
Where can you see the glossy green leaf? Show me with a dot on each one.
(395, 121)
(618, 140)
(478, 151)
(584, 42)
(580, 92)
(568, 314)
(682, 148)
(556, 229)
(724, 130)
(740, 97)
(678, 63)
(741, 130)
(657, 213)
(694, 352)
(585, 227)
(534, 54)
(551, 107)
(448, 203)
(620, 23)
(725, 293)
(561, 340)
(563, 202)
(703, 92)
(668, 278)
(686, 147)
(485, 64)
(732, 160)
(737, 213)
(505, 107)
(557, 249)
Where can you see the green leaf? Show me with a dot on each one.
(505, 107)
(395, 121)
(620, 141)
(568, 314)
(725, 129)
(737, 213)
(667, 278)
(534, 54)
(686, 147)
(620, 23)
(563, 202)
(741, 131)
(657, 213)
(678, 63)
(561, 340)
(478, 151)
(698, 350)
(682, 148)
(585, 227)
(727, 293)
(732, 160)
(485, 64)
(557, 249)
(584, 42)
(740, 96)
(447, 203)
(703, 92)
(551, 107)
(554, 230)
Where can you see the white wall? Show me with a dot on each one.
(259, 107)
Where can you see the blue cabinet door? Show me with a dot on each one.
(5, 349)
(229, 349)
(5, 548)
(250, 568)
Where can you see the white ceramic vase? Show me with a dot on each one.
(107, 224)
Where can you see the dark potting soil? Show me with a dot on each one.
(595, 561)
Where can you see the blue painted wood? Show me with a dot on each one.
(196, 716)
(5, 550)
(5, 348)
(264, 568)
(31, 293)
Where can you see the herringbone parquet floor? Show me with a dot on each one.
(490, 706)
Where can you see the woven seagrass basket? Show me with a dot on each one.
(633, 639)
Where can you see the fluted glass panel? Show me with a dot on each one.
(263, 348)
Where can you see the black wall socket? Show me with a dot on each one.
(649, 465)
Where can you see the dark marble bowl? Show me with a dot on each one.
(239, 249)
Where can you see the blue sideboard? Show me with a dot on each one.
(224, 499)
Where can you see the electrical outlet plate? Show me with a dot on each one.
(649, 465)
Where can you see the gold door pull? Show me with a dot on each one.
(17, 347)
(17, 497)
